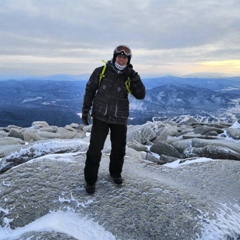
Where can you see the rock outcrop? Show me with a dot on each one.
(171, 141)
(13, 138)
(155, 202)
(42, 172)
(159, 142)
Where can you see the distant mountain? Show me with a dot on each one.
(66, 77)
(174, 100)
(208, 83)
(56, 77)
(59, 102)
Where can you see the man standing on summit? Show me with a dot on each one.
(107, 94)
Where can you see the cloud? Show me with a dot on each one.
(169, 33)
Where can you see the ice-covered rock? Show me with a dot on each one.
(187, 198)
(155, 201)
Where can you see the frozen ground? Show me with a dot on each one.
(212, 185)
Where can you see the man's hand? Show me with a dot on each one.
(130, 72)
(86, 118)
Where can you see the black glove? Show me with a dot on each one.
(130, 72)
(86, 118)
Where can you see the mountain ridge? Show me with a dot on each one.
(60, 102)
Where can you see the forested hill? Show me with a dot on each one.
(59, 102)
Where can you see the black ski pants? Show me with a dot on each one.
(100, 129)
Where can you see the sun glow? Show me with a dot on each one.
(231, 67)
(224, 63)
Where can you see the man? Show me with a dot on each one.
(108, 98)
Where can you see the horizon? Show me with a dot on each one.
(86, 76)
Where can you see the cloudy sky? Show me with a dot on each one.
(167, 37)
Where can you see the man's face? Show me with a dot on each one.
(122, 60)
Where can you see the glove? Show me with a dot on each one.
(86, 118)
(130, 72)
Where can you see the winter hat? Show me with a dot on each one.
(122, 50)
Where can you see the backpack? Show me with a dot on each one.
(102, 75)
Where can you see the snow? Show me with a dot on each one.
(236, 125)
(31, 99)
(70, 223)
(226, 226)
(47, 147)
(177, 163)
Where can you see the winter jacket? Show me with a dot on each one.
(109, 98)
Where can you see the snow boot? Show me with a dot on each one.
(90, 189)
(117, 179)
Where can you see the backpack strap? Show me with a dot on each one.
(128, 84)
(102, 75)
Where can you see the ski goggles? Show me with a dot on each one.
(126, 50)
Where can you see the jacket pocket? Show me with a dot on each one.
(122, 108)
(100, 107)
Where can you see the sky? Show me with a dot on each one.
(167, 37)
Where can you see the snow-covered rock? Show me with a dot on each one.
(44, 198)
(191, 197)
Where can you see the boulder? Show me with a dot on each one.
(31, 136)
(164, 132)
(8, 149)
(48, 135)
(137, 146)
(52, 129)
(11, 141)
(39, 124)
(153, 158)
(167, 159)
(233, 133)
(181, 145)
(9, 145)
(16, 133)
(164, 148)
(3, 134)
(39, 149)
(141, 134)
(198, 143)
(206, 130)
(212, 151)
